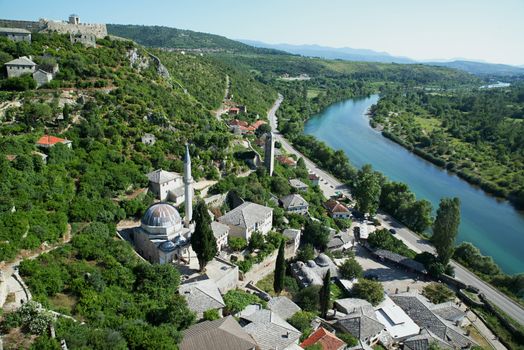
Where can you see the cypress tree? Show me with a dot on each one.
(325, 293)
(202, 240)
(280, 269)
(445, 228)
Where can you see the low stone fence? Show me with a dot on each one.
(266, 266)
(468, 300)
(515, 332)
(453, 281)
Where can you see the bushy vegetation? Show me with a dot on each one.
(111, 290)
(369, 290)
(438, 293)
(236, 300)
(383, 239)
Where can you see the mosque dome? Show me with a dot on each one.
(161, 215)
(323, 260)
(168, 246)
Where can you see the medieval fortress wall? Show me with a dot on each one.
(72, 27)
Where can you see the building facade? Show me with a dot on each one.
(20, 66)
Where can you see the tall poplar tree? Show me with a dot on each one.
(445, 228)
(325, 294)
(367, 190)
(202, 240)
(280, 269)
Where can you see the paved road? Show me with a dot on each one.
(330, 184)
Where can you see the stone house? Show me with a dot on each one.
(167, 186)
(20, 66)
(16, 34)
(221, 233)
(298, 185)
(202, 296)
(293, 237)
(42, 77)
(248, 218)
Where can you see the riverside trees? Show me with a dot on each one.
(445, 228)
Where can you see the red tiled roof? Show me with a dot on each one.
(286, 160)
(336, 207)
(258, 123)
(313, 177)
(326, 339)
(238, 122)
(49, 140)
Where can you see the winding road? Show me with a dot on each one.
(330, 185)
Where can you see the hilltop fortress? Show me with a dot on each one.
(85, 33)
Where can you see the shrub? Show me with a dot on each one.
(237, 243)
(371, 291)
(236, 300)
(211, 315)
(350, 269)
(438, 293)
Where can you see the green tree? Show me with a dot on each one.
(280, 269)
(256, 241)
(371, 291)
(418, 215)
(237, 243)
(307, 298)
(316, 234)
(445, 228)
(306, 253)
(438, 292)
(367, 190)
(211, 315)
(350, 269)
(325, 294)
(202, 240)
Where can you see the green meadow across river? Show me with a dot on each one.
(494, 226)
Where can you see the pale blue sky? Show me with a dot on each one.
(491, 30)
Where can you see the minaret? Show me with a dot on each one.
(269, 156)
(188, 188)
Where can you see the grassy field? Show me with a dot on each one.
(428, 124)
(312, 93)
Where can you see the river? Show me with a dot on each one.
(493, 226)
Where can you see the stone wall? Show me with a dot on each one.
(267, 266)
(3, 289)
(98, 30)
(32, 26)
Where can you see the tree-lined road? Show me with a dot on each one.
(330, 185)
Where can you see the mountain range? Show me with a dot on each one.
(366, 55)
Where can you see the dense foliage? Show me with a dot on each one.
(445, 228)
(476, 133)
(438, 293)
(369, 290)
(383, 239)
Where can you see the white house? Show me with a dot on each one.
(294, 203)
(337, 210)
(293, 236)
(248, 218)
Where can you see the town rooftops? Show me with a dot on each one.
(258, 124)
(313, 177)
(326, 339)
(423, 341)
(14, 30)
(202, 296)
(283, 307)
(362, 322)
(21, 61)
(338, 240)
(398, 323)
(335, 206)
(161, 176)
(246, 215)
(48, 140)
(285, 160)
(269, 330)
(222, 334)
(448, 311)
(292, 201)
(419, 309)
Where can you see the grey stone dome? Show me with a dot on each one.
(161, 215)
(168, 246)
(323, 260)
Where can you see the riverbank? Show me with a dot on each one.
(332, 184)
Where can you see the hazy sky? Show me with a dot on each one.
(491, 30)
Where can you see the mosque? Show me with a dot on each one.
(163, 237)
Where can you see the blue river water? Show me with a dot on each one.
(494, 226)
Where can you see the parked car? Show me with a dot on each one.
(371, 276)
(392, 231)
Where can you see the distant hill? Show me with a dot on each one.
(167, 37)
(364, 55)
(479, 68)
(344, 53)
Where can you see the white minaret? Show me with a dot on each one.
(188, 188)
(269, 156)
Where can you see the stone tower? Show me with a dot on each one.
(74, 19)
(188, 188)
(269, 157)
